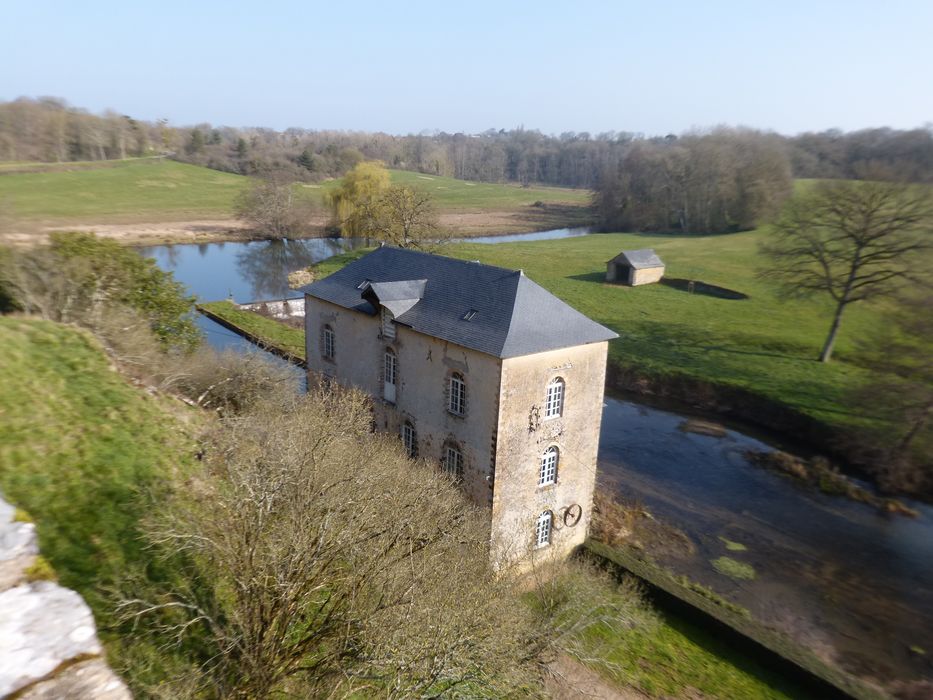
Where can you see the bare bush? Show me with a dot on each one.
(319, 560)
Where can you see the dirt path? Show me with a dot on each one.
(569, 679)
(459, 223)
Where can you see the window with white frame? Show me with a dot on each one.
(543, 529)
(410, 439)
(547, 475)
(388, 324)
(457, 399)
(328, 342)
(554, 401)
(453, 461)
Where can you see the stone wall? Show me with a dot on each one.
(424, 368)
(49, 648)
(524, 435)
(649, 275)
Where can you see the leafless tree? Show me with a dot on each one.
(271, 206)
(850, 241)
(405, 217)
(320, 561)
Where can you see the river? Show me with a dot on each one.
(851, 583)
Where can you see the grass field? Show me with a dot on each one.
(151, 190)
(141, 190)
(85, 454)
(764, 343)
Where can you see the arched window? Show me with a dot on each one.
(457, 399)
(547, 475)
(554, 400)
(410, 439)
(328, 342)
(543, 529)
(390, 375)
(453, 461)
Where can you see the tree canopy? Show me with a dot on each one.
(850, 241)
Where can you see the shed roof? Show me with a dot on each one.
(490, 309)
(639, 259)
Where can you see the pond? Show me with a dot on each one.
(852, 584)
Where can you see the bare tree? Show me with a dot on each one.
(318, 560)
(271, 206)
(850, 241)
(405, 217)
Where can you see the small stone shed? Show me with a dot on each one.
(634, 267)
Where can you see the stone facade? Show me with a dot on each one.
(502, 433)
(524, 433)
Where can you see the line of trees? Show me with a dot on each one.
(48, 129)
(727, 180)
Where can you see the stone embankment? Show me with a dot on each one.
(48, 642)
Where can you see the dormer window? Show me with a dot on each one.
(363, 285)
(388, 324)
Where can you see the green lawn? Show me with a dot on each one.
(135, 190)
(764, 343)
(85, 454)
(460, 194)
(271, 332)
(165, 190)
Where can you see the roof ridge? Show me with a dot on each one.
(412, 251)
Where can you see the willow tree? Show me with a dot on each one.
(355, 197)
(850, 241)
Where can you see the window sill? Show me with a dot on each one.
(547, 487)
(456, 415)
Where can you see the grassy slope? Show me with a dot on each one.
(155, 190)
(84, 453)
(763, 343)
(142, 190)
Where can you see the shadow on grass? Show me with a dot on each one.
(589, 276)
(697, 287)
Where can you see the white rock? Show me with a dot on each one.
(42, 625)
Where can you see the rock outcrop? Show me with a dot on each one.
(48, 642)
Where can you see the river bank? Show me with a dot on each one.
(781, 423)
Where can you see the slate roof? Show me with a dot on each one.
(640, 259)
(512, 316)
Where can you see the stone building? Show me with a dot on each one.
(480, 371)
(634, 267)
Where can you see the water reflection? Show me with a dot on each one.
(265, 267)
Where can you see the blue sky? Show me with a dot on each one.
(652, 67)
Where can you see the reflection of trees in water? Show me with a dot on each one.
(168, 260)
(265, 266)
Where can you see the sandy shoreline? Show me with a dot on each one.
(462, 223)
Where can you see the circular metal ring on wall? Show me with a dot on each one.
(573, 514)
